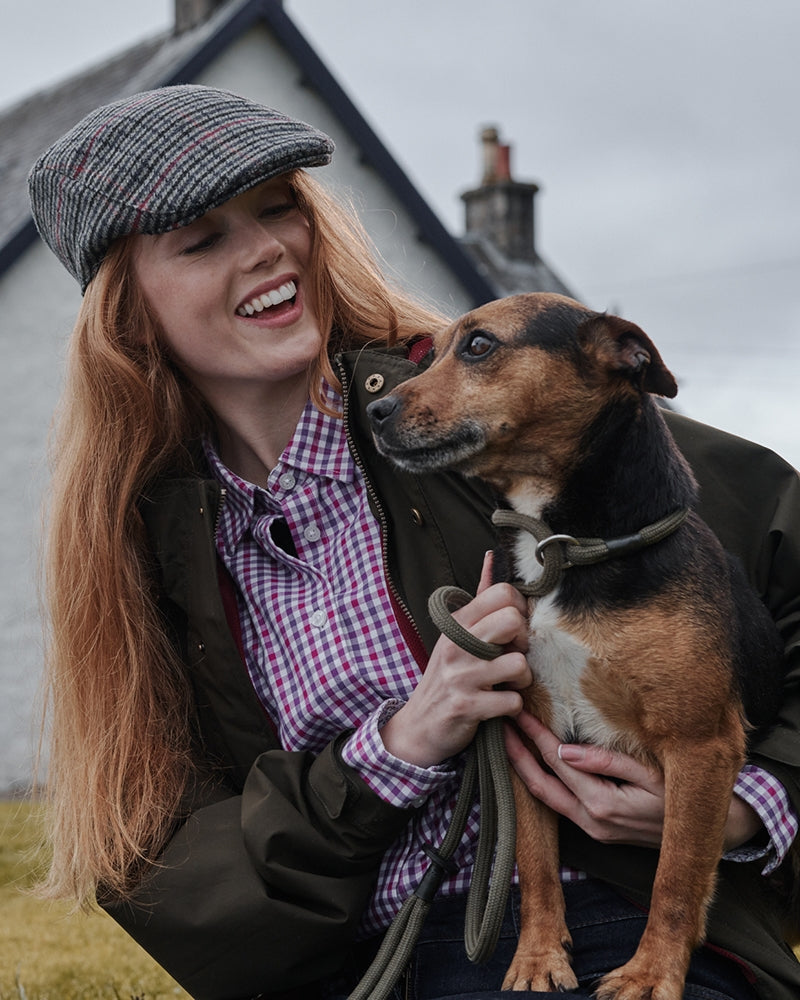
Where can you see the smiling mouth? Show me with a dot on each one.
(269, 300)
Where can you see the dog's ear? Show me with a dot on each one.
(623, 346)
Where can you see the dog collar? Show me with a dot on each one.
(559, 552)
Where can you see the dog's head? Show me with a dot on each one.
(513, 389)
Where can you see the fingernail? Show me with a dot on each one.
(568, 752)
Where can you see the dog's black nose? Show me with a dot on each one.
(381, 411)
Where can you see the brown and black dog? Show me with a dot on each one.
(660, 650)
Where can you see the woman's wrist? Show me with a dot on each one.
(395, 780)
(403, 744)
(743, 824)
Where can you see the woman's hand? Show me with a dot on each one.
(458, 690)
(612, 797)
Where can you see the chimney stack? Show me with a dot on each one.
(501, 209)
(191, 13)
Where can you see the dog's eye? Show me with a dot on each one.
(478, 345)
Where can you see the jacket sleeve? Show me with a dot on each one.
(778, 749)
(751, 498)
(263, 891)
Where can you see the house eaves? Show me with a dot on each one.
(31, 126)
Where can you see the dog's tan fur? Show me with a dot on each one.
(657, 676)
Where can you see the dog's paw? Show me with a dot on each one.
(627, 984)
(544, 973)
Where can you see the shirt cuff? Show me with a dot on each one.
(767, 796)
(396, 781)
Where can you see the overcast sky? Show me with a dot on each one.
(664, 135)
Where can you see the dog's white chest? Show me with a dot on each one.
(559, 662)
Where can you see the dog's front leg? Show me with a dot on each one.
(541, 961)
(698, 784)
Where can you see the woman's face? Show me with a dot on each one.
(232, 295)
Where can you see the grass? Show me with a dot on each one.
(49, 953)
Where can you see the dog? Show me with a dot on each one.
(652, 650)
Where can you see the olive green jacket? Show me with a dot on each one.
(261, 889)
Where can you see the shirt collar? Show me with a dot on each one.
(318, 448)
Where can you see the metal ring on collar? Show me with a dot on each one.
(541, 546)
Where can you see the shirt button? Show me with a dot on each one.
(287, 480)
(318, 619)
(311, 533)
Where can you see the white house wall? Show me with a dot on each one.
(38, 302)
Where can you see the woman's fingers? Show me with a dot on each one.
(541, 783)
(612, 797)
(598, 761)
(486, 572)
(497, 614)
(567, 758)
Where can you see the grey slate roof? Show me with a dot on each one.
(510, 277)
(29, 127)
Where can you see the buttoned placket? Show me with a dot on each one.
(294, 503)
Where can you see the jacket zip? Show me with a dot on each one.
(223, 495)
(376, 503)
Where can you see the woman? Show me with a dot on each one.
(256, 729)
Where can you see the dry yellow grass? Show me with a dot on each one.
(48, 953)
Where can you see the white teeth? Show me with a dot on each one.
(268, 299)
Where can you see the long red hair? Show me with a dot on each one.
(119, 703)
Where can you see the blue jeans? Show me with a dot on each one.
(605, 929)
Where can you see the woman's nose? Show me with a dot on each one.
(259, 244)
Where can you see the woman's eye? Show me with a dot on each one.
(478, 345)
(206, 243)
(277, 211)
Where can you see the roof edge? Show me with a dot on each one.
(24, 236)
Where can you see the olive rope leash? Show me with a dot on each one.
(496, 851)
(487, 763)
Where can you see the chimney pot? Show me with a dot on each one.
(501, 209)
(503, 168)
(489, 138)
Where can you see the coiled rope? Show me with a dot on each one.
(487, 765)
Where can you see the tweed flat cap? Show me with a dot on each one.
(156, 161)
